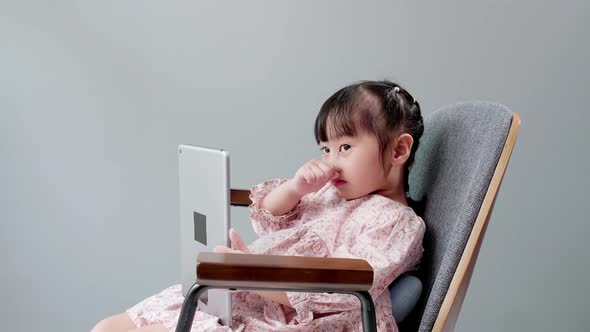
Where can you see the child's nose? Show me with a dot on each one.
(335, 164)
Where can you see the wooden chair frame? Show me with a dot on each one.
(451, 306)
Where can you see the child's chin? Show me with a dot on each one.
(345, 194)
(340, 193)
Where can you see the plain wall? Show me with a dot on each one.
(95, 97)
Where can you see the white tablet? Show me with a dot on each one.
(203, 175)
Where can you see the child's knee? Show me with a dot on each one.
(117, 323)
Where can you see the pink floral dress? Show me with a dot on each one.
(384, 232)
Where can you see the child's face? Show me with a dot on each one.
(357, 160)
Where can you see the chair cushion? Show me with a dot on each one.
(405, 292)
(454, 164)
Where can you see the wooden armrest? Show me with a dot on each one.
(240, 197)
(293, 272)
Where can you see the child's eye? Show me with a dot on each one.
(346, 146)
(325, 149)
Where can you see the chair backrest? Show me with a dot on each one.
(457, 171)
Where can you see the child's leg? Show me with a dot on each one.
(117, 323)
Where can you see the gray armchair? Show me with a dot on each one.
(457, 172)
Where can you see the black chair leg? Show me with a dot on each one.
(187, 313)
(368, 308)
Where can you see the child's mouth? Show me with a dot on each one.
(339, 182)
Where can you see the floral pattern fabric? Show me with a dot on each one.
(384, 232)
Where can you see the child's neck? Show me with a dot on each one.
(394, 192)
(396, 196)
(394, 188)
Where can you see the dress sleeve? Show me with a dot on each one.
(263, 221)
(391, 247)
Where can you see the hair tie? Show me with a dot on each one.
(396, 89)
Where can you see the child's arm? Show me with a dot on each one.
(309, 178)
(282, 199)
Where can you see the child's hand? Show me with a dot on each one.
(236, 242)
(312, 176)
(227, 250)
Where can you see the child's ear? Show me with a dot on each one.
(402, 148)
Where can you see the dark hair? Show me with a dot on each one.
(381, 108)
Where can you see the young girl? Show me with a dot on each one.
(351, 203)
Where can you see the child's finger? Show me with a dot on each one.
(222, 249)
(313, 170)
(332, 171)
(303, 176)
(311, 174)
(321, 174)
(307, 176)
(327, 170)
(237, 241)
(226, 250)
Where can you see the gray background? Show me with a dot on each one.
(95, 97)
